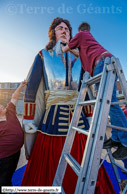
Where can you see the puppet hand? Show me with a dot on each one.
(29, 126)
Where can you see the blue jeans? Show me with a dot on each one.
(117, 116)
(125, 163)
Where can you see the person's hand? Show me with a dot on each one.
(62, 47)
(23, 83)
(16, 93)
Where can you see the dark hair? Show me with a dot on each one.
(51, 32)
(84, 26)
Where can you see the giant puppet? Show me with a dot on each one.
(51, 93)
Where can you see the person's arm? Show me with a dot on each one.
(65, 48)
(74, 51)
(72, 45)
(16, 94)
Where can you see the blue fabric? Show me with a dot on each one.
(111, 174)
(61, 120)
(34, 80)
(17, 176)
(116, 114)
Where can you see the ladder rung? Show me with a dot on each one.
(94, 79)
(88, 102)
(117, 127)
(119, 166)
(81, 130)
(119, 102)
(73, 163)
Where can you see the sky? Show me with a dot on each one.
(24, 28)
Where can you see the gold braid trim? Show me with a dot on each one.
(53, 97)
(51, 134)
(54, 116)
(46, 115)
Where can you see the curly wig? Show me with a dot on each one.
(51, 32)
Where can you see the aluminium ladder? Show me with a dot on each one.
(88, 170)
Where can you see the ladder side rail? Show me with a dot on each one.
(71, 133)
(92, 129)
(92, 173)
(120, 75)
(99, 135)
(90, 93)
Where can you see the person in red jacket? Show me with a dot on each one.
(11, 138)
(92, 56)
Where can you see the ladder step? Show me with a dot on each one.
(73, 163)
(88, 102)
(117, 127)
(81, 131)
(119, 102)
(115, 163)
(94, 80)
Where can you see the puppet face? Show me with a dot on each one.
(62, 33)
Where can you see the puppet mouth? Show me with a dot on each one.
(63, 36)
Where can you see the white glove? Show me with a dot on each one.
(58, 48)
(29, 126)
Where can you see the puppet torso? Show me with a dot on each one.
(61, 72)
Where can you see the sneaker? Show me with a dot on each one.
(120, 153)
(110, 144)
